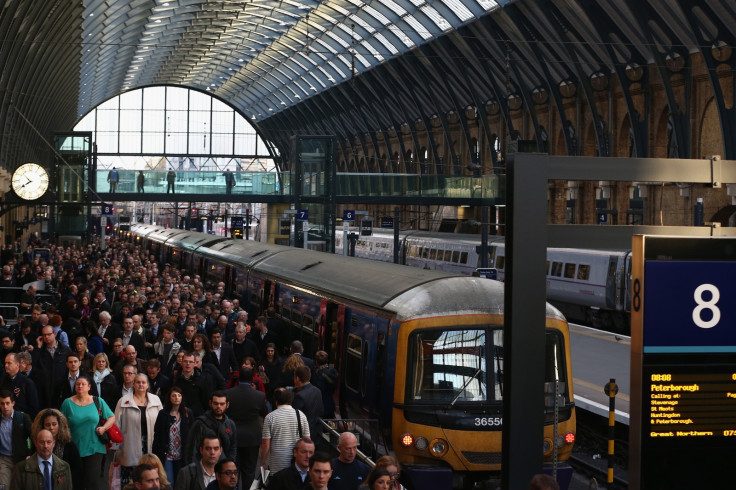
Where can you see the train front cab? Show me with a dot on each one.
(447, 415)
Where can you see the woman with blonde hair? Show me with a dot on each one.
(104, 380)
(64, 448)
(80, 348)
(287, 373)
(153, 460)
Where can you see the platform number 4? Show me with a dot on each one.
(709, 305)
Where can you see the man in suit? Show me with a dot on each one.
(44, 470)
(133, 338)
(23, 389)
(50, 359)
(247, 409)
(14, 449)
(129, 359)
(308, 399)
(298, 348)
(225, 355)
(64, 388)
(197, 475)
(261, 336)
(296, 476)
(25, 362)
(107, 331)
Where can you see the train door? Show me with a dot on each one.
(327, 327)
(611, 286)
(266, 295)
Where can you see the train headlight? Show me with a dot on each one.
(407, 440)
(421, 444)
(439, 447)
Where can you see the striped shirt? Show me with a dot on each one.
(282, 428)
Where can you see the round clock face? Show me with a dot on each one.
(30, 181)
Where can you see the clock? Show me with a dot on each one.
(30, 181)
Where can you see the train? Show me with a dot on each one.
(587, 285)
(418, 351)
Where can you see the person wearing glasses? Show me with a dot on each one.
(226, 475)
(394, 470)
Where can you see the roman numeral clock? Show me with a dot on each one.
(30, 181)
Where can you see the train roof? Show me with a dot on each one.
(409, 292)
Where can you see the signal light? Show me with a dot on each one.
(569, 437)
(407, 440)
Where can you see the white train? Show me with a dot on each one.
(589, 286)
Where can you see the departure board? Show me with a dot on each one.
(683, 362)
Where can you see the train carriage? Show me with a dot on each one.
(420, 351)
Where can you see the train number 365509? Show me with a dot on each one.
(488, 421)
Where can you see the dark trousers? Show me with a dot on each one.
(247, 459)
(93, 466)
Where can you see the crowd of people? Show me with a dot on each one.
(203, 398)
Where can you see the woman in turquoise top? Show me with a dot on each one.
(83, 418)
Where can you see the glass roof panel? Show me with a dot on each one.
(440, 21)
(459, 9)
(409, 19)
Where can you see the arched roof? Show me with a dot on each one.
(348, 67)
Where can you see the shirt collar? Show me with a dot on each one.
(41, 460)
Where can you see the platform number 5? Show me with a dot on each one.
(715, 295)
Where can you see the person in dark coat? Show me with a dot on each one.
(247, 409)
(50, 359)
(242, 346)
(130, 337)
(290, 478)
(262, 336)
(213, 420)
(191, 477)
(39, 379)
(308, 399)
(21, 386)
(326, 380)
(192, 385)
(175, 412)
(226, 361)
(20, 432)
(297, 348)
(158, 383)
(64, 388)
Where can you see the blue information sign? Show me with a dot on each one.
(348, 215)
(387, 222)
(302, 215)
(107, 209)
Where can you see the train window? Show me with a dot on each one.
(425, 252)
(463, 257)
(412, 251)
(570, 271)
(556, 269)
(612, 268)
(308, 322)
(583, 272)
(296, 317)
(455, 256)
(448, 366)
(353, 363)
(448, 255)
(433, 254)
(500, 262)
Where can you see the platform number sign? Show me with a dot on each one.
(302, 215)
(348, 215)
(683, 362)
(107, 210)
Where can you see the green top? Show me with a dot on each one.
(83, 422)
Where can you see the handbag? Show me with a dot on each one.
(111, 435)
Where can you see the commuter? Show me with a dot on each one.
(166, 350)
(295, 476)
(212, 376)
(153, 460)
(349, 472)
(132, 338)
(159, 382)
(320, 471)
(379, 479)
(22, 387)
(247, 410)
(130, 359)
(281, 429)
(107, 331)
(391, 465)
(140, 181)
(271, 369)
(15, 428)
(223, 352)
(197, 475)
(50, 358)
(261, 336)
(170, 181)
(54, 421)
(94, 341)
(55, 474)
(28, 298)
(226, 476)
(64, 388)
(214, 420)
(84, 415)
(86, 359)
(104, 381)
(136, 415)
(171, 432)
(192, 385)
(25, 363)
(152, 333)
(8, 342)
(229, 181)
(113, 178)
(308, 399)
(242, 346)
(257, 382)
(326, 380)
(187, 341)
(543, 481)
(61, 335)
(144, 476)
(286, 377)
(297, 349)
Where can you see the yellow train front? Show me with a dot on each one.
(419, 351)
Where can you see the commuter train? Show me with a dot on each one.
(586, 285)
(419, 351)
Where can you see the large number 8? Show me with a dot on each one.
(706, 305)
